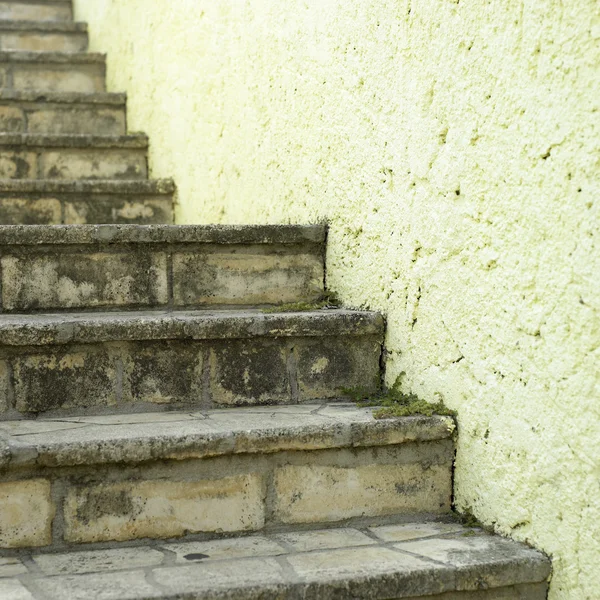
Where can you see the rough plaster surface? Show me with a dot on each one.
(454, 149)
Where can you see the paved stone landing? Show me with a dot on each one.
(437, 560)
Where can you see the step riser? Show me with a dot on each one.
(57, 209)
(123, 376)
(156, 276)
(28, 11)
(237, 493)
(42, 77)
(55, 119)
(73, 163)
(35, 41)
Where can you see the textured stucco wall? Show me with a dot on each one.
(454, 148)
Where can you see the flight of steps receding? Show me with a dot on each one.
(165, 431)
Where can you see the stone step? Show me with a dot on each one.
(43, 36)
(36, 10)
(159, 476)
(39, 156)
(55, 202)
(67, 363)
(417, 559)
(74, 267)
(56, 113)
(53, 71)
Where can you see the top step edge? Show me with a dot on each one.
(86, 186)
(35, 235)
(62, 97)
(136, 438)
(19, 56)
(40, 2)
(45, 26)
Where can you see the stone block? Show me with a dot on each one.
(43, 42)
(164, 372)
(12, 119)
(67, 279)
(226, 549)
(101, 163)
(15, 164)
(85, 79)
(316, 493)
(249, 371)
(118, 209)
(160, 509)
(64, 378)
(328, 365)
(99, 121)
(30, 11)
(245, 276)
(25, 211)
(26, 514)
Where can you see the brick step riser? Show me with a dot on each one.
(71, 209)
(32, 11)
(47, 77)
(122, 276)
(47, 118)
(57, 507)
(73, 163)
(37, 41)
(117, 377)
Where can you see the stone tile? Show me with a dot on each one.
(410, 531)
(95, 561)
(103, 163)
(244, 547)
(77, 280)
(164, 372)
(245, 278)
(25, 11)
(324, 539)
(18, 165)
(160, 509)
(45, 78)
(9, 567)
(327, 493)
(26, 513)
(65, 379)
(100, 121)
(12, 589)
(12, 119)
(119, 210)
(219, 576)
(250, 371)
(127, 585)
(328, 365)
(44, 42)
(23, 211)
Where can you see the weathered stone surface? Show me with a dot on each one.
(61, 120)
(118, 209)
(26, 513)
(257, 430)
(9, 567)
(13, 589)
(80, 78)
(64, 379)
(5, 389)
(78, 280)
(226, 549)
(36, 11)
(244, 276)
(15, 164)
(47, 211)
(72, 563)
(400, 533)
(94, 164)
(12, 119)
(317, 493)
(159, 509)
(43, 41)
(324, 539)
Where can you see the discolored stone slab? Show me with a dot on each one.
(26, 514)
(249, 372)
(9, 567)
(324, 539)
(78, 78)
(158, 509)
(74, 279)
(66, 378)
(247, 276)
(24, 211)
(35, 11)
(16, 164)
(400, 533)
(59, 120)
(13, 589)
(12, 119)
(118, 209)
(39, 41)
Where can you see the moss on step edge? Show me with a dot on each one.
(392, 402)
(326, 300)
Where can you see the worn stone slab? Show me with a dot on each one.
(26, 513)
(404, 532)
(140, 437)
(42, 39)
(324, 539)
(226, 549)
(10, 567)
(163, 509)
(13, 589)
(36, 11)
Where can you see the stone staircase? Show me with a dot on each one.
(164, 436)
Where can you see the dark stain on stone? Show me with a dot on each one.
(100, 503)
(196, 556)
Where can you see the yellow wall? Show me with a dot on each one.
(454, 148)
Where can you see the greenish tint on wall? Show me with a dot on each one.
(454, 148)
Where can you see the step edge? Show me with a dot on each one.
(93, 98)
(89, 186)
(23, 56)
(73, 140)
(43, 26)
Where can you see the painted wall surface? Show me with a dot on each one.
(454, 149)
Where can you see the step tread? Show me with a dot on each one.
(408, 559)
(62, 97)
(63, 328)
(22, 56)
(28, 235)
(134, 438)
(43, 26)
(74, 140)
(87, 186)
